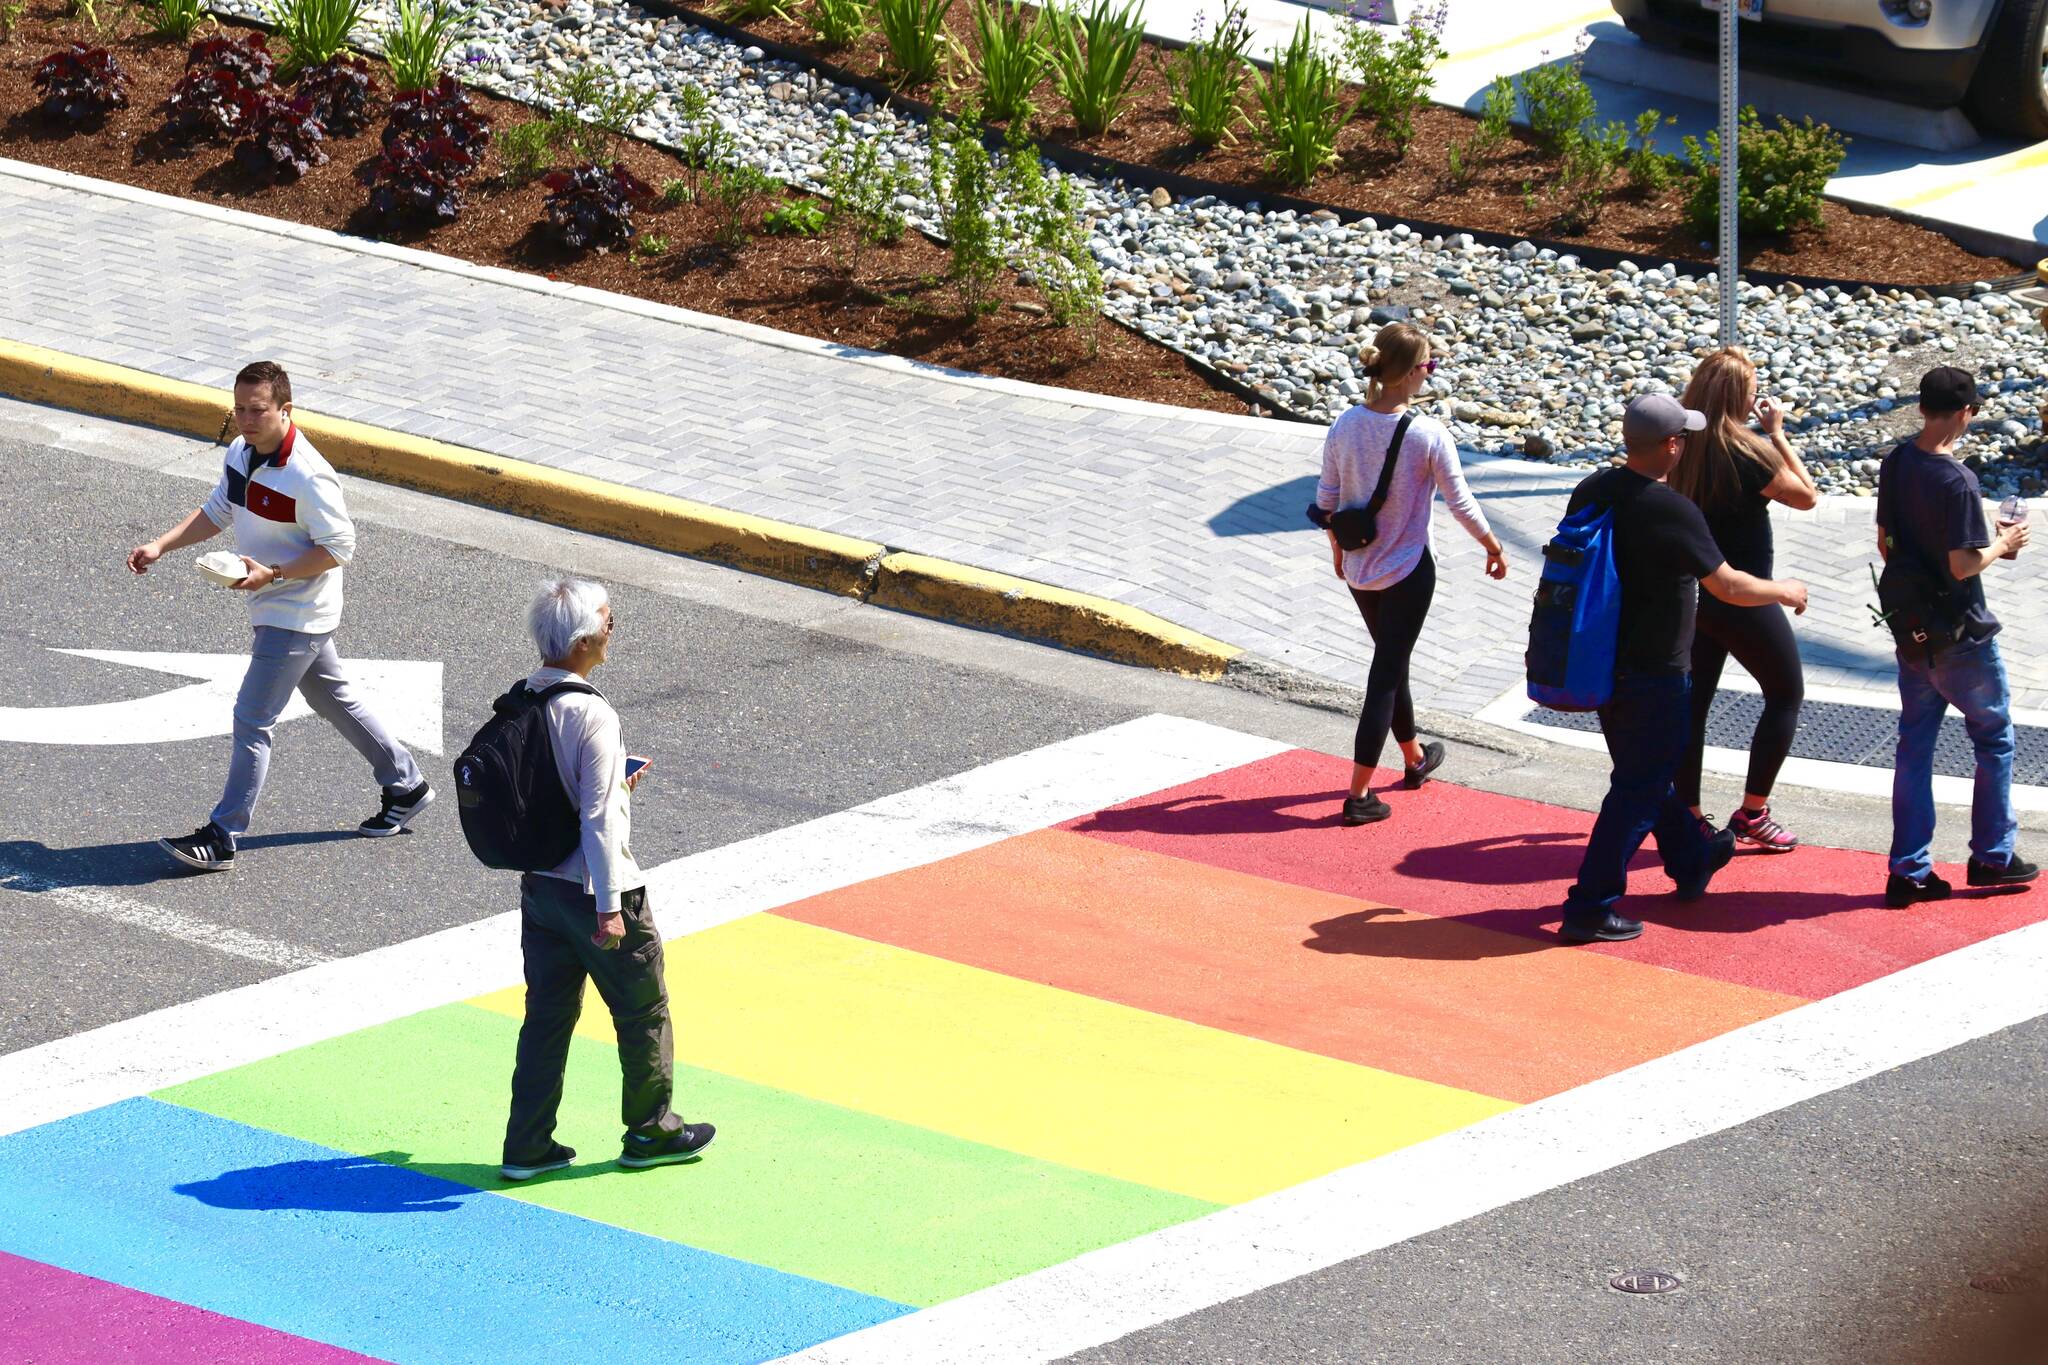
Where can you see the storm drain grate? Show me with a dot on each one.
(1836, 732)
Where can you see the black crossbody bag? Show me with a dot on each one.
(1358, 527)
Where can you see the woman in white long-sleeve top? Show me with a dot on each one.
(1393, 577)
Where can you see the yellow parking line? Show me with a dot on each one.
(1591, 16)
(2025, 159)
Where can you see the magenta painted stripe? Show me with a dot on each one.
(50, 1316)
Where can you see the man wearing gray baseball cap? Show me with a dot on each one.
(1663, 553)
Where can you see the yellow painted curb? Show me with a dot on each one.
(1094, 625)
(819, 559)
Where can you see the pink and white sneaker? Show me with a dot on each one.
(1758, 828)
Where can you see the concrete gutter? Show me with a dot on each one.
(843, 565)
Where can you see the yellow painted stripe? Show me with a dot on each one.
(1046, 1073)
(2026, 159)
(1577, 21)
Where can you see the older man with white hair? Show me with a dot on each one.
(589, 917)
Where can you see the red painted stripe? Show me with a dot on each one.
(1432, 998)
(50, 1316)
(1808, 923)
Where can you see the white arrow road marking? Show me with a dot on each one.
(91, 900)
(404, 694)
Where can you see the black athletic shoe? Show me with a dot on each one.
(1608, 928)
(686, 1143)
(2016, 872)
(400, 808)
(207, 848)
(1720, 849)
(556, 1159)
(1417, 774)
(1365, 810)
(1900, 892)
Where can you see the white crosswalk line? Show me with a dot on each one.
(104, 904)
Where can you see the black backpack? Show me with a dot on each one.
(515, 813)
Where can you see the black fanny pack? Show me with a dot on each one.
(1918, 606)
(1357, 527)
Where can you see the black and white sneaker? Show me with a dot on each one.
(400, 808)
(686, 1143)
(557, 1158)
(207, 848)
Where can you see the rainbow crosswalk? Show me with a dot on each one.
(927, 1082)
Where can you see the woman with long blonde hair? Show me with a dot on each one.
(1392, 577)
(1734, 471)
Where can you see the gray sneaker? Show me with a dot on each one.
(686, 1143)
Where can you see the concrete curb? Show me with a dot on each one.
(848, 567)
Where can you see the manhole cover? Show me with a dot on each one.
(2005, 1282)
(1645, 1282)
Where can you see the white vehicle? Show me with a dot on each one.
(1988, 55)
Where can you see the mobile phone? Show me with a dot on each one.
(634, 763)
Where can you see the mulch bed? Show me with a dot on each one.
(789, 283)
(1368, 178)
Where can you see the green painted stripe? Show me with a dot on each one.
(813, 1189)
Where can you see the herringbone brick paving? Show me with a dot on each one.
(1195, 517)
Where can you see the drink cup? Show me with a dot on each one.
(2011, 512)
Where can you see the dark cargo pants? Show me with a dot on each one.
(556, 921)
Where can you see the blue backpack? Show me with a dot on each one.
(1577, 619)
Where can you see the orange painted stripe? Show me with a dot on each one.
(1431, 998)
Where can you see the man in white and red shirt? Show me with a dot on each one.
(292, 528)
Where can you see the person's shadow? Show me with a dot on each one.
(29, 866)
(347, 1184)
(1201, 814)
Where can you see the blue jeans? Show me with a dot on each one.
(1971, 678)
(1646, 732)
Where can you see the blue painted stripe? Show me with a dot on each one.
(348, 1250)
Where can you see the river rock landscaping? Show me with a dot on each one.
(1541, 351)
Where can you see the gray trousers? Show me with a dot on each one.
(556, 919)
(279, 661)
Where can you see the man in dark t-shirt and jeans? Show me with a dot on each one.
(1663, 552)
(1929, 507)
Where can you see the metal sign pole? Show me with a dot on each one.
(1728, 272)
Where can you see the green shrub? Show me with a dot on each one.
(526, 151)
(1051, 237)
(177, 20)
(795, 218)
(730, 192)
(863, 190)
(704, 144)
(1648, 168)
(1781, 174)
(1305, 108)
(839, 23)
(1489, 135)
(1394, 74)
(417, 44)
(311, 32)
(1095, 60)
(11, 12)
(1015, 51)
(650, 245)
(1205, 79)
(963, 186)
(590, 110)
(1587, 165)
(1559, 103)
(915, 31)
(675, 191)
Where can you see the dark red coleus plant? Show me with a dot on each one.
(284, 138)
(80, 84)
(591, 206)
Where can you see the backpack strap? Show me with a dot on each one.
(1379, 492)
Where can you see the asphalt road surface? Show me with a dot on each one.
(1846, 1228)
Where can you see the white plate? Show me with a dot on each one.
(222, 567)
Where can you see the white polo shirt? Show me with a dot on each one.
(279, 508)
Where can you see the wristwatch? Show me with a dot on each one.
(276, 573)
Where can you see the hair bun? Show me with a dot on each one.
(1369, 357)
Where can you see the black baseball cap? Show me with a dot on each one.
(1946, 389)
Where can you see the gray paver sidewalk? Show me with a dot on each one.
(1194, 517)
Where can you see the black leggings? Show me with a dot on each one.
(1761, 640)
(1393, 617)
